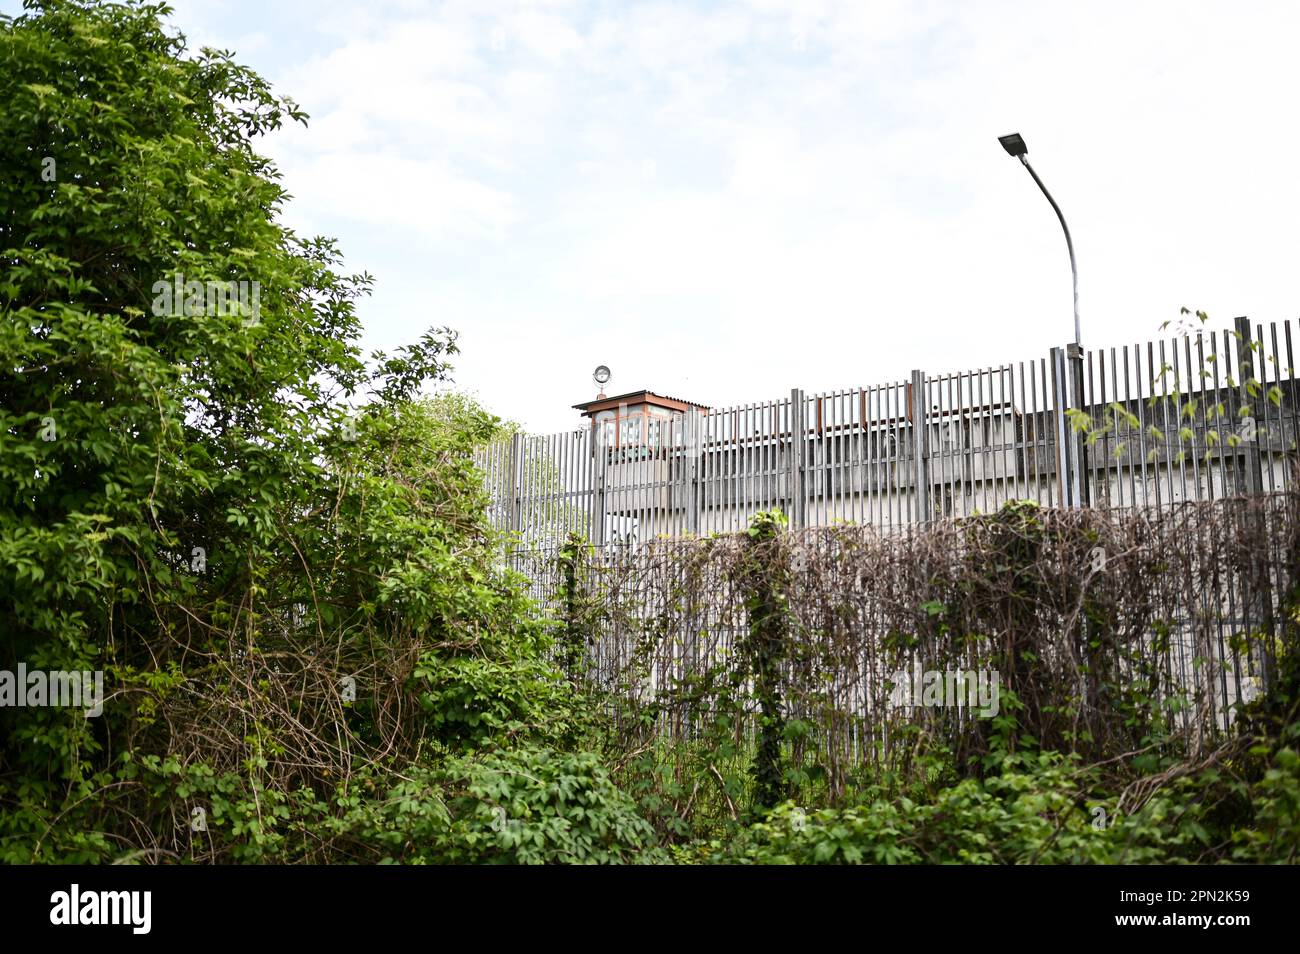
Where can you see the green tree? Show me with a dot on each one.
(291, 597)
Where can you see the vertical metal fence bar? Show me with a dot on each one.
(1192, 401)
(1203, 426)
(1021, 431)
(1045, 445)
(833, 459)
(951, 404)
(977, 456)
(1264, 406)
(1160, 436)
(1272, 411)
(733, 458)
(921, 491)
(1175, 429)
(516, 450)
(1290, 440)
(1222, 421)
(795, 474)
(1095, 405)
(848, 434)
(1115, 448)
(897, 473)
(1247, 379)
(1057, 358)
(704, 467)
(1150, 481)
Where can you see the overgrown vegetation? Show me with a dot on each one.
(1134, 722)
(275, 550)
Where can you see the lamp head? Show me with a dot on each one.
(1014, 145)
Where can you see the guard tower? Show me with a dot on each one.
(640, 459)
(636, 421)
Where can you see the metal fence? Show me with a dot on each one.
(1195, 421)
(1180, 603)
(1192, 417)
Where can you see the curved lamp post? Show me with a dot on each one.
(1073, 454)
(1015, 146)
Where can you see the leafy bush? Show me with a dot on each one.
(532, 806)
(1028, 814)
(524, 806)
(1037, 811)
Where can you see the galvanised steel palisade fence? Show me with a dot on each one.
(1186, 425)
(1190, 419)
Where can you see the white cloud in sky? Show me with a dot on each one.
(723, 201)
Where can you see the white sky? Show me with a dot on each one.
(724, 201)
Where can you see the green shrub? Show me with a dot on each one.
(1036, 812)
(524, 806)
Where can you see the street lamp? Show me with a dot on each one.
(1015, 146)
(1072, 455)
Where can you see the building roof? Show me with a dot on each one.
(636, 397)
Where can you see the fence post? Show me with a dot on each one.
(916, 412)
(1258, 601)
(599, 458)
(798, 436)
(691, 469)
(516, 498)
(1078, 439)
(1061, 401)
(1246, 372)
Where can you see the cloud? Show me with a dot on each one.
(725, 202)
(424, 197)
